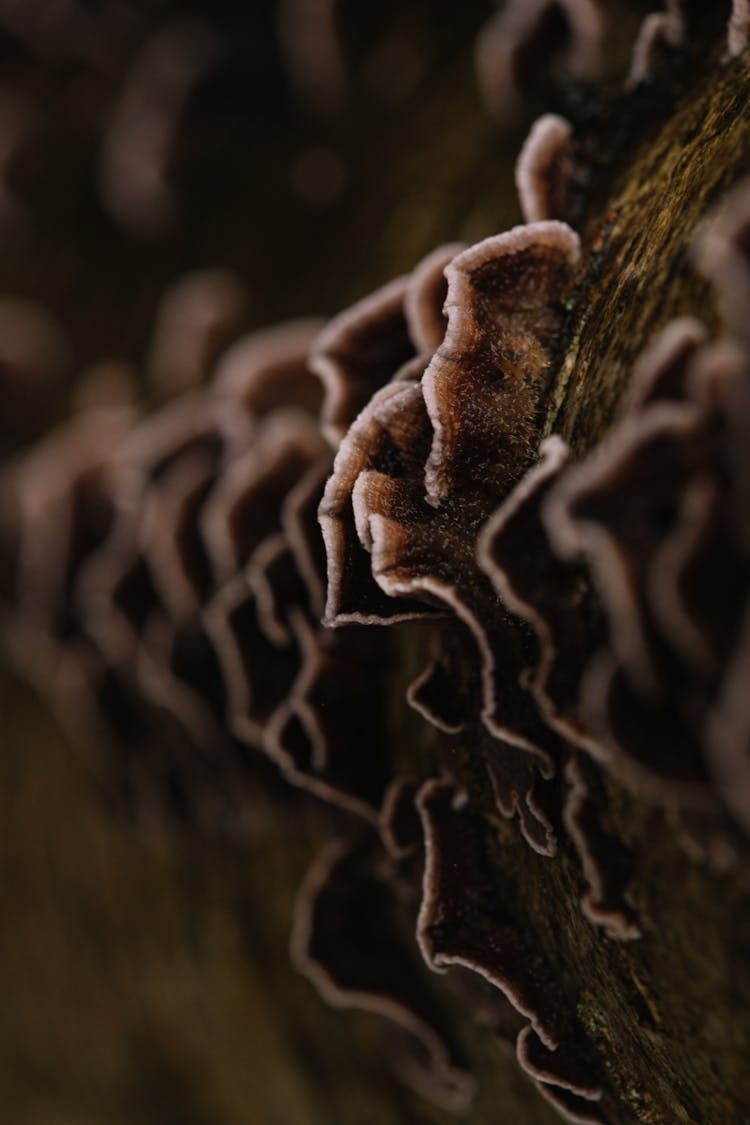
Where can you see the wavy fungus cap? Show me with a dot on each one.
(347, 942)
(638, 550)
(423, 465)
(463, 925)
(526, 39)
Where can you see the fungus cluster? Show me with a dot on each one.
(219, 582)
(639, 552)
(195, 587)
(225, 566)
(530, 45)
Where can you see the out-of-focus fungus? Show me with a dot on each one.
(312, 51)
(135, 159)
(514, 48)
(34, 360)
(544, 170)
(659, 32)
(196, 320)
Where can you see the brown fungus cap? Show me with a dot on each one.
(385, 436)
(411, 486)
(484, 382)
(721, 253)
(659, 32)
(652, 515)
(359, 351)
(345, 940)
(526, 39)
(462, 923)
(390, 434)
(544, 169)
(372, 342)
(604, 858)
(196, 319)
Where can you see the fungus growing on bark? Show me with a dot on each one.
(637, 542)
(525, 47)
(486, 379)
(368, 344)
(462, 923)
(218, 492)
(214, 524)
(553, 598)
(572, 618)
(659, 31)
(648, 515)
(425, 462)
(544, 170)
(347, 942)
(604, 858)
(513, 49)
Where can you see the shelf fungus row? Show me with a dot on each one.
(177, 593)
(225, 576)
(639, 554)
(345, 940)
(530, 45)
(186, 574)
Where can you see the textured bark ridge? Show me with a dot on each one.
(443, 603)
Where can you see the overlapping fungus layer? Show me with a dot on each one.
(208, 587)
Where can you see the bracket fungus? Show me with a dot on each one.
(644, 531)
(424, 464)
(308, 544)
(513, 49)
(346, 940)
(462, 924)
(544, 169)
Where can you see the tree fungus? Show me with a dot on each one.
(371, 560)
